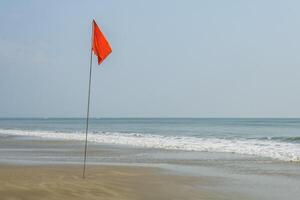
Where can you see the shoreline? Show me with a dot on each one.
(30, 166)
(260, 147)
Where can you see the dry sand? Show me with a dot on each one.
(101, 182)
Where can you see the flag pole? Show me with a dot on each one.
(88, 107)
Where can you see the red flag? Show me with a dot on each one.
(101, 47)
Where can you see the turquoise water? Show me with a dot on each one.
(273, 138)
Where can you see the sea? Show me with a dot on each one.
(275, 138)
(252, 158)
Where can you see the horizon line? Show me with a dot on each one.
(150, 117)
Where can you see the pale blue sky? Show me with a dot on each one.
(170, 58)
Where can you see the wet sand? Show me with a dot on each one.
(101, 182)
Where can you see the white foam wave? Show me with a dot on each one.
(263, 148)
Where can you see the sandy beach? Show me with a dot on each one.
(101, 182)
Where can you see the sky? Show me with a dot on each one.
(170, 58)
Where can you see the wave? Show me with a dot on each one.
(283, 139)
(258, 147)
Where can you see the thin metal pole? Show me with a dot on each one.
(88, 108)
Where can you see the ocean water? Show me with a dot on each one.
(277, 139)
